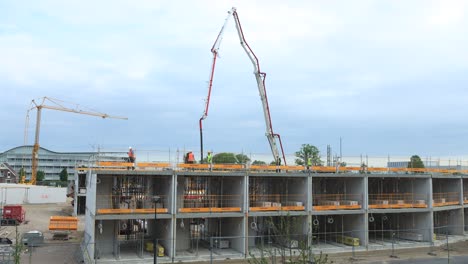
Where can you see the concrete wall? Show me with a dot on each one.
(104, 198)
(298, 187)
(105, 241)
(418, 186)
(231, 228)
(465, 216)
(233, 189)
(449, 221)
(415, 223)
(446, 185)
(182, 235)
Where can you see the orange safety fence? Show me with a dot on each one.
(198, 202)
(445, 199)
(63, 223)
(397, 200)
(337, 201)
(276, 202)
(272, 168)
(128, 202)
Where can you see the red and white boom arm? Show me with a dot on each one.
(214, 50)
(260, 77)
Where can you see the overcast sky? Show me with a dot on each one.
(389, 77)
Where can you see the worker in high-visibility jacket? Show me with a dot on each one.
(131, 157)
(190, 157)
(309, 163)
(209, 160)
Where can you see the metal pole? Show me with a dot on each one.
(448, 248)
(155, 245)
(393, 246)
(211, 250)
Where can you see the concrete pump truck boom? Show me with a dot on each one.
(259, 76)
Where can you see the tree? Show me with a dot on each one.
(307, 151)
(64, 175)
(22, 175)
(40, 175)
(225, 157)
(415, 162)
(241, 158)
(258, 162)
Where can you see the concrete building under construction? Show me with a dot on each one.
(193, 213)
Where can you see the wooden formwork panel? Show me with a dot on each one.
(195, 210)
(131, 211)
(225, 209)
(64, 223)
(292, 208)
(269, 208)
(335, 207)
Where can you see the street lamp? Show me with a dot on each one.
(155, 254)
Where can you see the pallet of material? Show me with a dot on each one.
(63, 223)
(400, 204)
(262, 204)
(411, 236)
(348, 240)
(332, 203)
(349, 202)
(293, 203)
(373, 204)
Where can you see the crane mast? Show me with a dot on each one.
(58, 106)
(260, 78)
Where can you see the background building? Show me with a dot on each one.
(52, 163)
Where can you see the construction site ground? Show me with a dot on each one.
(52, 251)
(67, 252)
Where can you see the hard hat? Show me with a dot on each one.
(130, 147)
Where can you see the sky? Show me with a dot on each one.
(388, 77)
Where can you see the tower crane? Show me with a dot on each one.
(259, 76)
(53, 104)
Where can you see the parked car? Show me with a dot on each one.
(32, 238)
(5, 241)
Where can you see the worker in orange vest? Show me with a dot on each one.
(190, 157)
(131, 157)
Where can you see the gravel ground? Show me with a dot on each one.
(52, 251)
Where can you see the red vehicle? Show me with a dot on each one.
(14, 212)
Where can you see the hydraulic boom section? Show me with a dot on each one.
(214, 50)
(259, 76)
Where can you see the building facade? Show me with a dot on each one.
(51, 162)
(195, 214)
(8, 174)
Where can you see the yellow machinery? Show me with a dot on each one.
(57, 105)
(347, 240)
